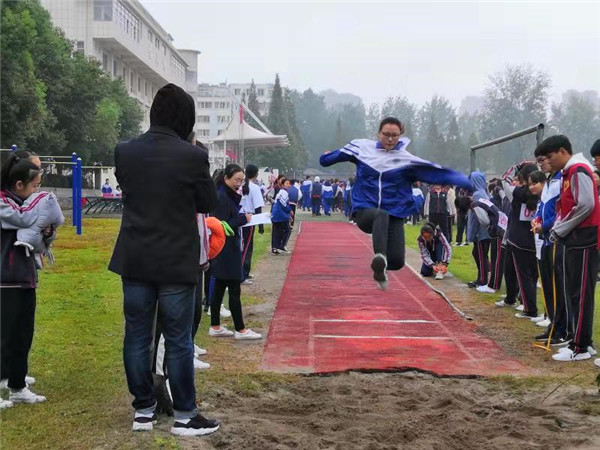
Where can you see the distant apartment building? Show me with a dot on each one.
(129, 43)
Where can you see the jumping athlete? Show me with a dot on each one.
(382, 191)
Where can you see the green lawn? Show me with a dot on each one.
(463, 267)
(77, 349)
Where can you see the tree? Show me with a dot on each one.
(373, 119)
(579, 119)
(514, 99)
(456, 152)
(315, 125)
(253, 106)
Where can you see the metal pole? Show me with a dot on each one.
(79, 197)
(472, 161)
(74, 185)
(539, 136)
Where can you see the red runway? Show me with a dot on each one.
(330, 317)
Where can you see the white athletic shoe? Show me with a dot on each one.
(538, 319)
(543, 323)
(143, 422)
(200, 365)
(591, 350)
(225, 312)
(439, 276)
(247, 282)
(521, 315)
(502, 304)
(248, 334)
(520, 308)
(221, 332)
(6, 404)
(25, 396)
(28, 381)
(199, 351)
(379, 266)
(597, 362)
(485, 289)
(567, 355)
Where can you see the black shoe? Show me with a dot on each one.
(542, 337)
(197, 426)
(143, 423)
(560, 342)
(473, 284)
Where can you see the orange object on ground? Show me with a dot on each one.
(216, 241)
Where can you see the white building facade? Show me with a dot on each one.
(129, 43)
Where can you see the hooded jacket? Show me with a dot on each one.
(165, 182)
(477, 231)
(384, 178)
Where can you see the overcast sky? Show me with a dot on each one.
(379, 49)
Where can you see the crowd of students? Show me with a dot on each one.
(331, 195)
(539, 224)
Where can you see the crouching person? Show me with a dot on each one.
(435, 250)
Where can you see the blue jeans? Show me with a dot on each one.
(176, 313)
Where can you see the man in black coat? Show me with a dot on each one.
(165, 181)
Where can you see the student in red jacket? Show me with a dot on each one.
(576, 231)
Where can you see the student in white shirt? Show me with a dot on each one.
(252, 203)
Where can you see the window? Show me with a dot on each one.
(127, 20)
(205, 105)
(105, 62)
(204, 119)
(115, 68)
(139, 84)
(237, 91)
(223, 119)
(204, 133)
(103, 10)
(261, 92)
(131, 81)
(157, 42)
(220, 132)
(177, 66)
(145, 88)
(80, 46)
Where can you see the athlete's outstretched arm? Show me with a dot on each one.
(347, 153)
(434, 174)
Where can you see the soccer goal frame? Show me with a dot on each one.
(538, 129)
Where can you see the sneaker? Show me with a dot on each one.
(486, 289)
(6, 404)
(473, 284)
(200, 365)
(439, 276)
(25, 396)
(503, 304)
(275, 251)
(28, 381)
(597, 362)
(520, 308)
(537, 319)
(591, 350)
(247, 282)
(542, 337)
(144, 422)
(251, 276)
(198, 351)
(560, 342)
(379, 266)
(543, 323)
(457, 244)
(196, 426)
(248, 334)
(221, 332)
(225, 312)
(567, 355)
(522, 315)
(284, 251)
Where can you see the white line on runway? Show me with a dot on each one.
(375, 320)
(332, 336)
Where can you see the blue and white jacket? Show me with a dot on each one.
(384, 178)
(546, 211)
(281, 207)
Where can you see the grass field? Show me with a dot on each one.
(463, 267)
(77, 349)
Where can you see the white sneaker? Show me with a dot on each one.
(198, 351)
(439, 276)
(543, 323)
(6, 404)
(221, 332)
(485, 289)
(520, 308)
(520, 315)
(200, 365)
(538, 319)
(28, 381)
(591, 350)
(247, 282)
(248, 334)
(502, 304)
(567, 355)
(25, 396)
(225, 312)
(597, 362)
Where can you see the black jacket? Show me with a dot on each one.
(165, 181)
(228, 264)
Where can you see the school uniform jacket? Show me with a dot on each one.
(426, 249)
(384, 179)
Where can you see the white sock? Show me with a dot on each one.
(183, 421)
